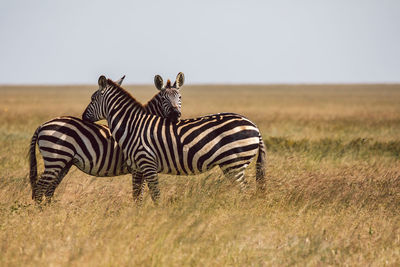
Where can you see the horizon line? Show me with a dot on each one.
(207, 84)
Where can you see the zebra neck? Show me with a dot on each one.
(154, 106)
(120, 105)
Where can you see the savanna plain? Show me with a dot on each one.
(333, 186)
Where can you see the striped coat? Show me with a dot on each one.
(67, 141)
(154, 145)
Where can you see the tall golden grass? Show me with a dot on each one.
(333, 194)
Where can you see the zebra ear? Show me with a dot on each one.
(102, 82)
(119, 82)
(180, 80)
(158, 82)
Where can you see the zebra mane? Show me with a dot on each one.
(126, 93)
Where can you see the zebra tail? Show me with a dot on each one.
(261, 166)
(32, 161)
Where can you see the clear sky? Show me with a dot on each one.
(211, 41)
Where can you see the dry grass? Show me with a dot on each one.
(333, 186)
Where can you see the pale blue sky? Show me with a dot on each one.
(321, 41)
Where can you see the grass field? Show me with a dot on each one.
(333, 194)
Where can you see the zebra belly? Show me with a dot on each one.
(101, 172)
(107, 165)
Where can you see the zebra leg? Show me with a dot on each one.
(52, 187)
(236, 175)
(137, 186)
(148, 166)
(46, 179)
(151, 178)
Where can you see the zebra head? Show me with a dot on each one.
(170, 96)
(95, 110)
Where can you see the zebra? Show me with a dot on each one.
(153, 145)
(67, 141)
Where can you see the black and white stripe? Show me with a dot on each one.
(154, 145)
(67, 141)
